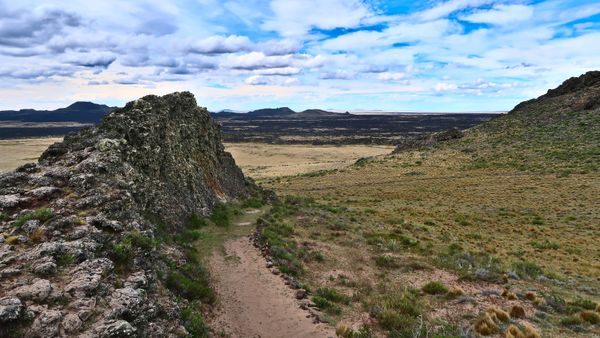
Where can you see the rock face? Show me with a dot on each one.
(165, 151)
(78, 248)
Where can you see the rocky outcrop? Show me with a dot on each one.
(574, 94)
(79, 254)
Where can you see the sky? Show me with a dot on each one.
(453, 55)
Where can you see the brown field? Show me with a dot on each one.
(269, 160)
(404, 220)
(14, 153)
(256, 160)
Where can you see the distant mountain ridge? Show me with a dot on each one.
(81, 111)
(274, 112)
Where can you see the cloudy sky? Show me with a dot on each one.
(454, 55)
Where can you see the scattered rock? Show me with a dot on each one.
(300, 294)
(11, 309)
(116, 329)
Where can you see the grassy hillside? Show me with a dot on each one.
(439, 240)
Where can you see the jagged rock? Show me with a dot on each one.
(71, 323)
(116, 329)
(44, 192)
(44, 266)
(82, 307)
(11, 201)
(46, 324)
(126, 302)
(40, 290)
(137, 280)
(9, 272)
(87, 276)
(30, 226)
(11, 309)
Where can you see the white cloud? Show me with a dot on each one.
(387, 76)
(501, 15)
(444, 86)
(297, 17)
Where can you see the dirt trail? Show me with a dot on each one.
(252, 302)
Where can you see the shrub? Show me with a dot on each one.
(37, 235)
(194, 324)
(517, 311)
(572, 320)
(196, 222)
(42, 215)
(385, 261)
(65, 259)
(326, 305)
(435, 288)
(397, 311)
(590, 316)
(186, 287)
(527, 269)
(3, 217)
(221, 215)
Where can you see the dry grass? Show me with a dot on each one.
(14, 153)
(269, 160)
(416, 206)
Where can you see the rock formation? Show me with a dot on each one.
(79, 254)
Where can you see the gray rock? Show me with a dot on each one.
(83, 307)
(87, 276)
(126, 302)
(44, 266)
(46, 324)
(11, 201)
(116, 329)
(40, 290)
(300, 294)
(44, 192)
(9, 272)
(71, 323)
(11, 309)
(31, 225)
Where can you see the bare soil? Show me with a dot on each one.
(252, 301)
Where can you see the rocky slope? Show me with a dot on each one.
(85, 248)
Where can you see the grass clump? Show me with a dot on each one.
(222, 215)
(397, 312)
(3, 217)
(327, 306)
(333, 296)
(590, 316)
(123, 251)
(42, 215)
(435, 288)
(386, 261)
(545, 245)
(345, 331)
(194, 324)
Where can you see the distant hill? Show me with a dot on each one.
(557, 132)
(81, 112)
(282, 112)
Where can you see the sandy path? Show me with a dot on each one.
(252, 302)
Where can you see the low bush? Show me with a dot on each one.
(194, 324)
(333, 296)
(526, 269)
(435, 288)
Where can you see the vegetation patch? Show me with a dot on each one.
(435, 288)
(42, 215)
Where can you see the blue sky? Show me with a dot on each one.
(455, 55)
